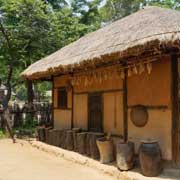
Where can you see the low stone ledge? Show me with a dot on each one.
(109, 169)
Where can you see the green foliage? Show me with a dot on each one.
(173, 4)
(2, 134)
(37, 28)
(117, 9)
(88, 12)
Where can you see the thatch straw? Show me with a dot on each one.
(148, 29)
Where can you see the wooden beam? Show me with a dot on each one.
(125, 107)
(101, 92)
(53, 101)
(152, 107)
(174, 103)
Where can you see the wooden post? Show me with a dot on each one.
(72, 108)
(125, 110)
(30, 93)
(175, 108)
(53, 101)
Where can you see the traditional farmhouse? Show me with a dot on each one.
(122, 78)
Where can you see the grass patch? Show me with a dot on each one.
(2, 134)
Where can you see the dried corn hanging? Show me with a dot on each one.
(149, 67)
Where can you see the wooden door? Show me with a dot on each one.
(95, 112)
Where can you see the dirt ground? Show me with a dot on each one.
(20, 161)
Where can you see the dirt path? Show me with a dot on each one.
(22, 162)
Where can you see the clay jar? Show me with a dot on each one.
(125, 155)
(150, 158)
(105, 147)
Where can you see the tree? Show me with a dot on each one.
(173, 4)
(117, 9)
(88, 12)
(57, 4)
(5, 100)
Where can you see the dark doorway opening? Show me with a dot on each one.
(95, 112)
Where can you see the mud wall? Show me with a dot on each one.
(62, 117)
(153, 91)
(111, 90)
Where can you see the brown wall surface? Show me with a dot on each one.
(112, 104)
(81, 111)
(146, 89)
(113, 113)
(158, 127)
(112, 83)
(61, 81)
(62, 119)
(151, 89)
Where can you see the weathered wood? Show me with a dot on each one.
(47, 134)
(75, 131)
(88, 136)
(81, 142)
(51, 137)
(41, 134)
(69, 140)
(102, 91)
(62, 139)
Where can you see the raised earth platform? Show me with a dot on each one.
(110, 169)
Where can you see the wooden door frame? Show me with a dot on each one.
(102, 109)
(175, 108)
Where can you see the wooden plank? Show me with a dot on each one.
(152, 107)
(103, 91)
(125, 107)
(53, 108)
(175, 107)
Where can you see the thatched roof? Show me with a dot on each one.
(147, 29)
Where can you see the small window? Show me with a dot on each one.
(62, 98)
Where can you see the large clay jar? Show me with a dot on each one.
(125, 155)
(105, 147)
(150, 158)
(93, 146)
